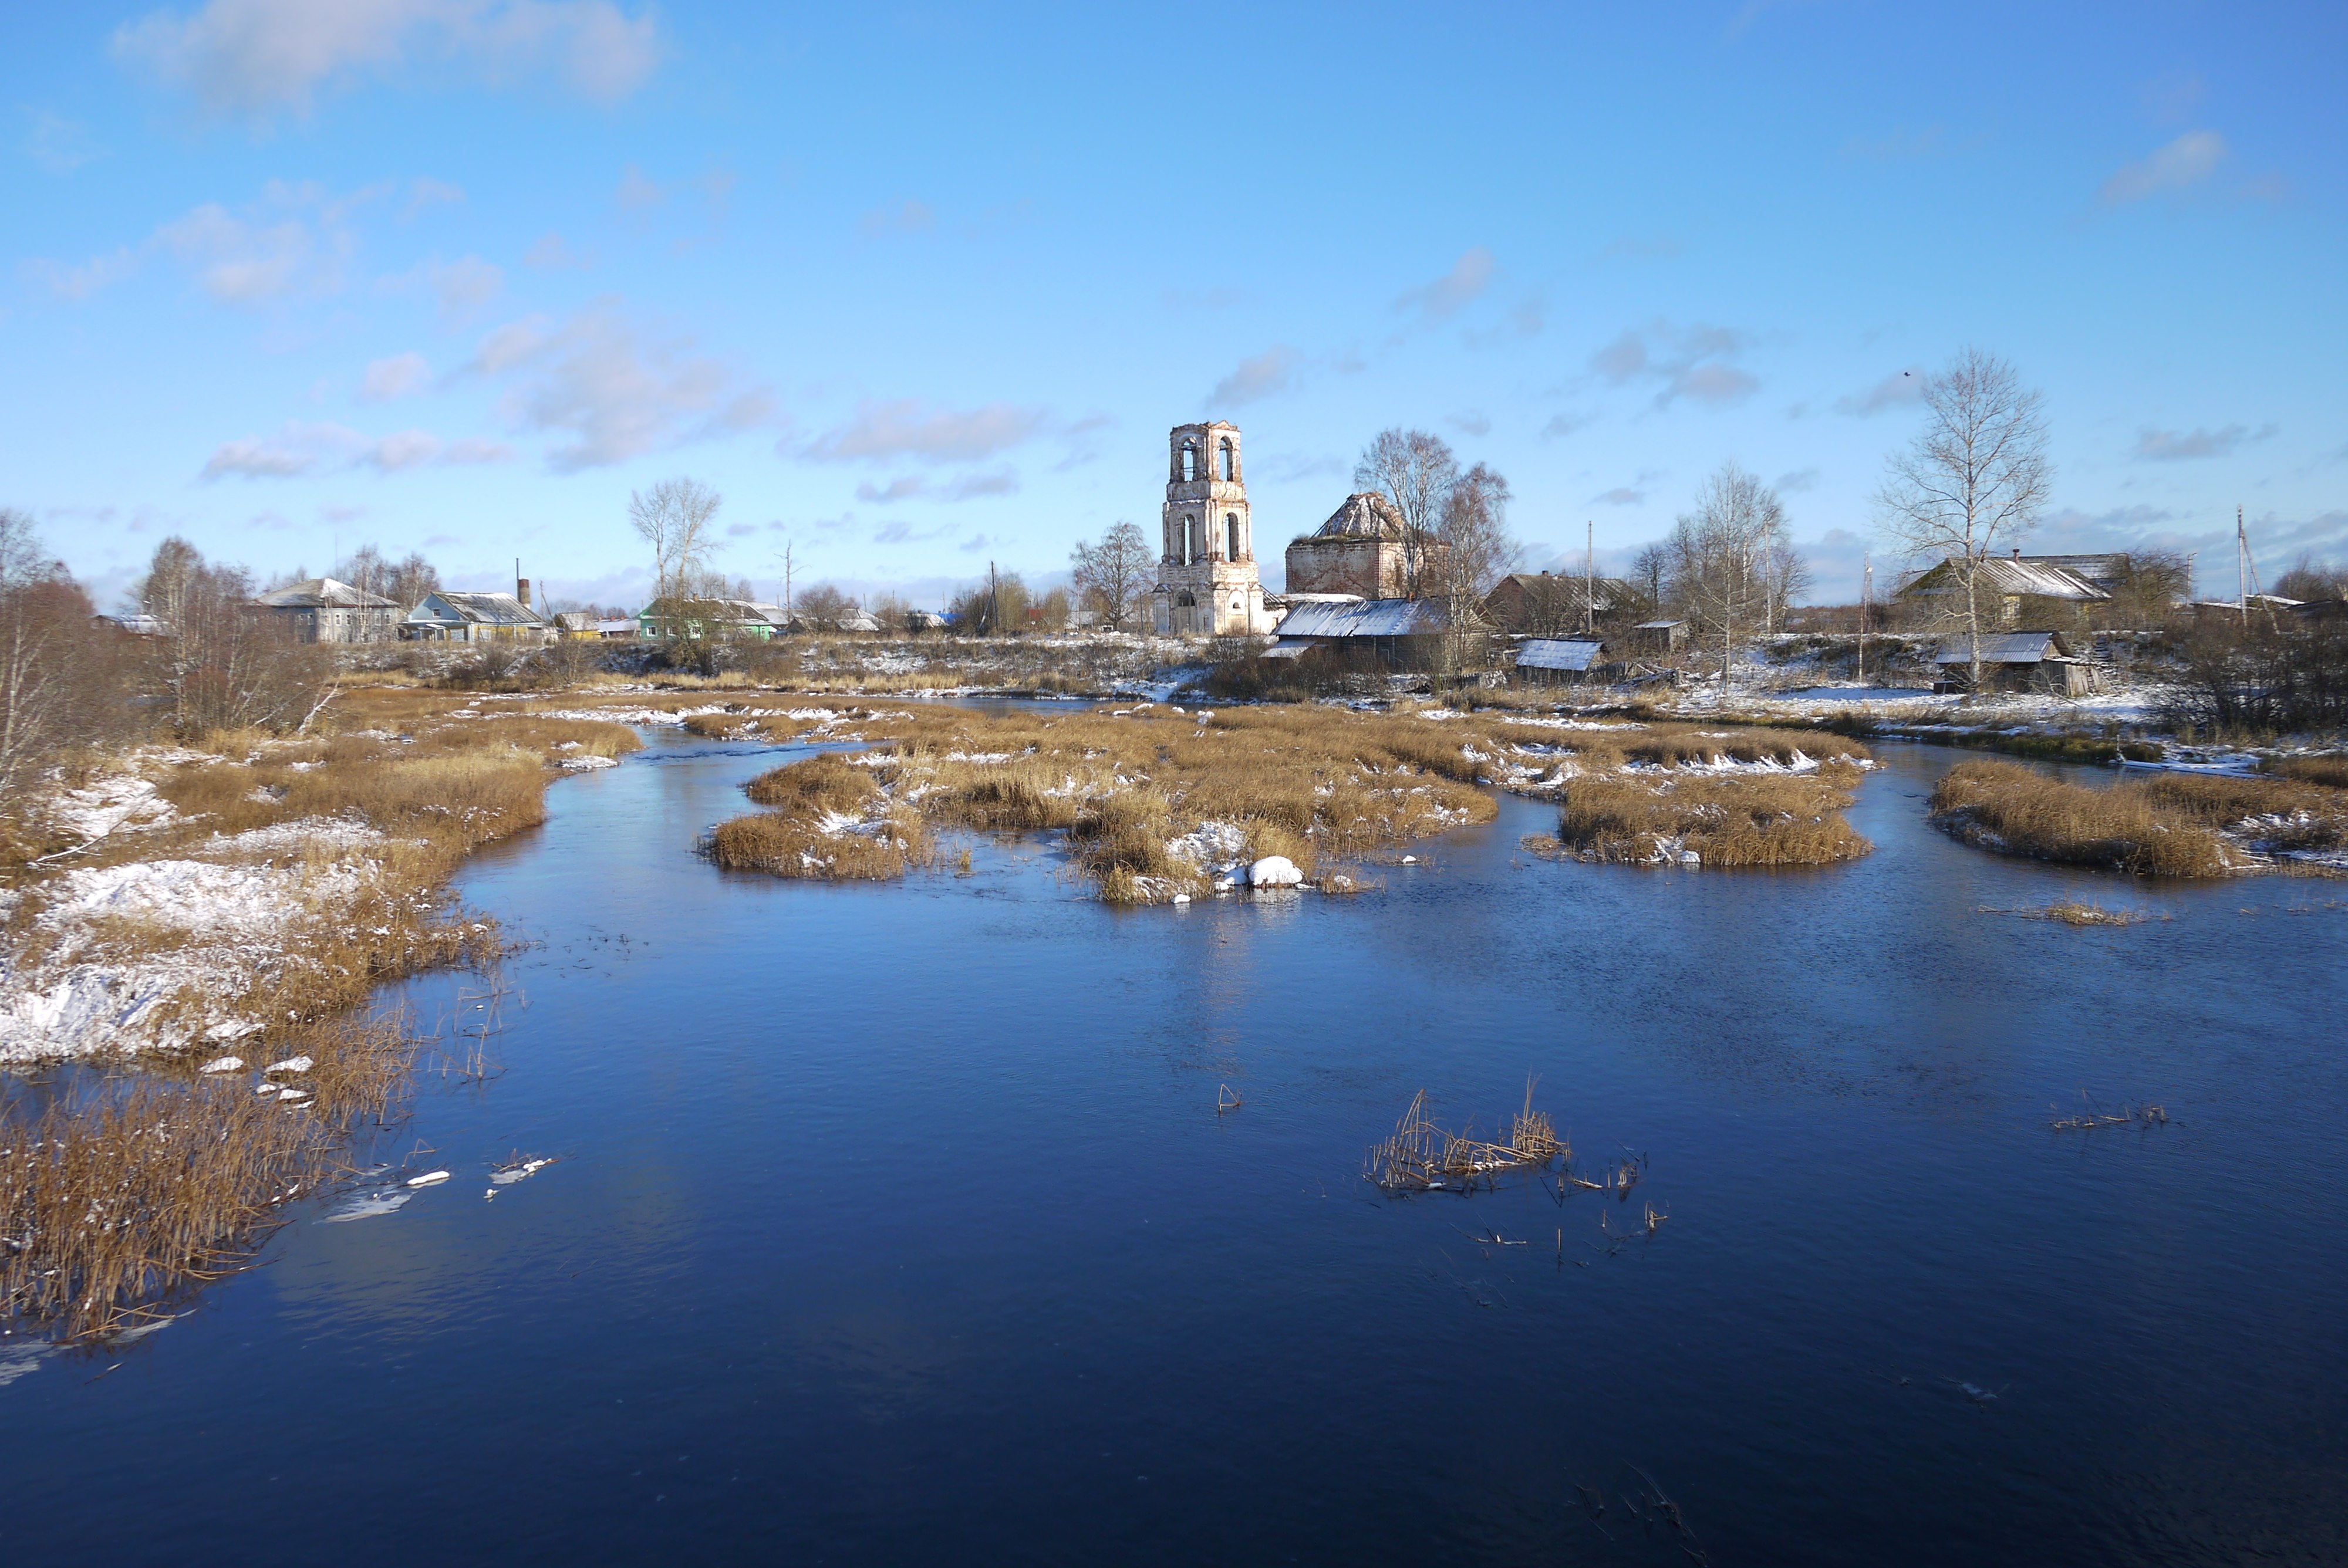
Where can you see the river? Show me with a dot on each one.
(897, 1225)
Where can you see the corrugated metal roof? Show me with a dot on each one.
(1365, 618)
(1657, 625)
(476, 608)
(1287, 651)
(2037, 577)
(2005, 647)
(1558, 653)
(324, 593)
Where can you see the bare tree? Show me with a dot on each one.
(1112, 576)
(825, 606)
(1785, 576)
(225, 667)
(674, 517)
(1650, 568)
(1721, 553)
(1974, 479)
(44, 620)
(1475, 552)
(412, 582)
(1416, 472)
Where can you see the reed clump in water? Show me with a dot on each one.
(1422, 1155)
(2017, 810)
(116, 1197)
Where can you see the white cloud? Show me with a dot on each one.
(240, 263)
(260, 56)
(79, 283)
(2174, 445)
(964, 487)
(552, 252)
(617, 394)
(1449, 294)
(1474, 422)
(2189, 159)
(402, 449)
(908, 217)
(1797, 481)
(299, 448)
(1899, 387)
(394, 377)
(638, 190)
(1260, 376)
(427, 192)
(463, 286)
(1565, 423)
(1691, 361)
(296, 448)
(905, 428)
(1621, 496)
(58, 145)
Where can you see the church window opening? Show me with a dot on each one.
(1189, 461)
(1231, 471)
(1230, 535)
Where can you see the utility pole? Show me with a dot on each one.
(786, 584)
(2241, 570)
(1589, 578)
(993, 603)
(1866, 591)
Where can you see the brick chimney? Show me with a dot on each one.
(521, 590)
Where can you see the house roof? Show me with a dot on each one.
(859, 622)
(1657, 625)
(2006, 648)
(2035, 576)
(324, 593)
(1558, 653)
(475, 610)
(1604, 592)
(1365, 515)
(1365, 618)
(929, 619)
(575, 621)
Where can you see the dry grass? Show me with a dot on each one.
(128, 1191)
(1735, 821)
(2332, 771)
(2167, 825)
(1315, 783)
(820, 827)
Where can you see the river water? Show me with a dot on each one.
(896, 1223)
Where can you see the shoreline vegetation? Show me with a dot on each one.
(210, 919)
(1156, 801)
(2161, 825)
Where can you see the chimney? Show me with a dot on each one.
(521, 590)
(2017, 555)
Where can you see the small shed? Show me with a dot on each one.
(925, 620)
(860, 622)
(1547, 659)
(2022, 661)
(324, 611)
(1660, 636)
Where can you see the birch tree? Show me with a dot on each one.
(674, 517)
(1974, 479)
(1721, 554)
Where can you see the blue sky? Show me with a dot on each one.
(920, 288)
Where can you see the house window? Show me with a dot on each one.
(1230, 533)
(1189, 461)
(1230, 470)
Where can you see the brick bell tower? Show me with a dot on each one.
(1206, 582)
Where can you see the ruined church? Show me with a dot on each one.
(1206, 582)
